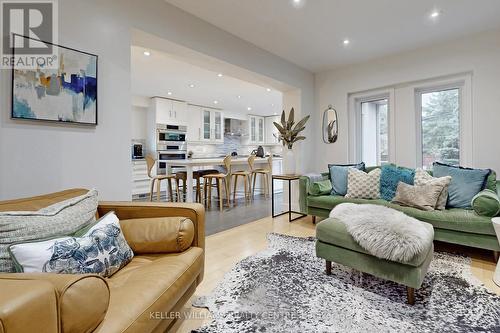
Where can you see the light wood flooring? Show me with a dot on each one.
(226, 248)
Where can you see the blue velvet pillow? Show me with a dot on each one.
(390, 176)
(338, 176)
(465, 183)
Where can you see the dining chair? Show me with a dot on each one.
(220, 179)
(150, 161)
(265, 172)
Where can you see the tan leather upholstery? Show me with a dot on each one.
(158, 234)
(82, 299)
(28, 306)
(155, 282)
(149, 284)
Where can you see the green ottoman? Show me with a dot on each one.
(335, 244)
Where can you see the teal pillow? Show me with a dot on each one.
(465, 183)
(338, 176)
(486, 203)
(320, 187)
(390, 176)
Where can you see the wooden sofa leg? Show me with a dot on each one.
(411, 295)
(328, 267)
(314, 219)
(496, 254)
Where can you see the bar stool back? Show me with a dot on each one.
(150, 161)
(220, 179)
(265, 172)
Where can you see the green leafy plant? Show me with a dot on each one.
(332, 134)
(289, 134)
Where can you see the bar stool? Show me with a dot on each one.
(220, 179)
(150, 161)
(197, 175)
(263, 171)
(246, 178)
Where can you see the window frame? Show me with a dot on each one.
(465, 116)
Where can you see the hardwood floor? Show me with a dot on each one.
(225, 249)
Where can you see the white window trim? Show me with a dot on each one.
(464, 84)
(354, 119)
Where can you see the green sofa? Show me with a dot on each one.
(457, 226)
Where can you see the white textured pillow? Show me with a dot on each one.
(101, 250)
(362, 185)
(422, 177)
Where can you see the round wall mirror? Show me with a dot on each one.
(330, 125)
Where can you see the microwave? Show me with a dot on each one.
(137, 151)
(170, 133)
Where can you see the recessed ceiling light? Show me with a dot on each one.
(169, 93)
(275, 113)
(435, 14)
(272, 104)
(239, 96)
(298, 3)
(346, 41)
(220, 75)
(216, 102)
(249, 108)
(147, 53)
(192, 85)
(268, 89)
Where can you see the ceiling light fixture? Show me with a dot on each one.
(346, 41)
(272, 104)
(239, 96)
(220, 75)
(216, 102)
(192, 85)
(297, 3)
(169, 93)
(268, 89)
(249, 108)
(435, 14)
(147, 53)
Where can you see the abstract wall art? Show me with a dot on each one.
(66, 93)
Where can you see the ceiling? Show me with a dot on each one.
(160, 73)
(311, 34)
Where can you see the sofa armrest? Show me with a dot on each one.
(28, 306)
(304, 183)
(139, 210)
(80, 300)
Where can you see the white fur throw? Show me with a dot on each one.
(385, 232)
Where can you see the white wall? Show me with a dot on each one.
(479, 54)
(36, 158)
(139, 123)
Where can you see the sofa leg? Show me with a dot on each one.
(314, 219)
(410, 295)
(496, 254)
(328, 267)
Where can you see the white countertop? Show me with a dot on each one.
(216, 161)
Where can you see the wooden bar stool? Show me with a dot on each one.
(220, 179)
(246, 179)
(150, 161)
(265, 172)
(197, 175)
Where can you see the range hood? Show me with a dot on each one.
(235, 127)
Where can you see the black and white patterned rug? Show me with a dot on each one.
(285, 289)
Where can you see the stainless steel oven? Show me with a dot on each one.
(170, 133)
(170, 146)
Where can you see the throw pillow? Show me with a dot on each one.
(422, 177)
(62, 218)
(390, 177)
(465, 183)
(102, 250)
(338, 176)
(486, 203)
(320, 187)
(363, 185)
(422, 197)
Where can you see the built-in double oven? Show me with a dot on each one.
(170, 145)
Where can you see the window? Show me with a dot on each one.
(439, 126)
(374, 132)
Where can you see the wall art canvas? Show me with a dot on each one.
(66, 93)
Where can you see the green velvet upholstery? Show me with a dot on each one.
(457, 226)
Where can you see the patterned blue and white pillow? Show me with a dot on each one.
(101, 250)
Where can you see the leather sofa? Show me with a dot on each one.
(147, 295)
(457, 226)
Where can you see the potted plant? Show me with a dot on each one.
(289, 134)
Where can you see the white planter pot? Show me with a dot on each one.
(289, 161)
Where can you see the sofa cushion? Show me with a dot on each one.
(338, 176)
(158, 234)
(465, 183)
(62, 218)
(149, 284)
(363, 185)
(390, 177)
(486, 203)
(422, 177)
(423, 197)
(330, 201)
(332, 231)
(320, 187)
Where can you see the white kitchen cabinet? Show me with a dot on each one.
(256, 129)
(169, 111)
(212, 126)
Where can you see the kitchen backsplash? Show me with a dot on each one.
(231, 144)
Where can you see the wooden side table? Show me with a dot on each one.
(288, 178)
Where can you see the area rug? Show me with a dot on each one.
(285, 289)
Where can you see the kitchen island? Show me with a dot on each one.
(192, 163)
